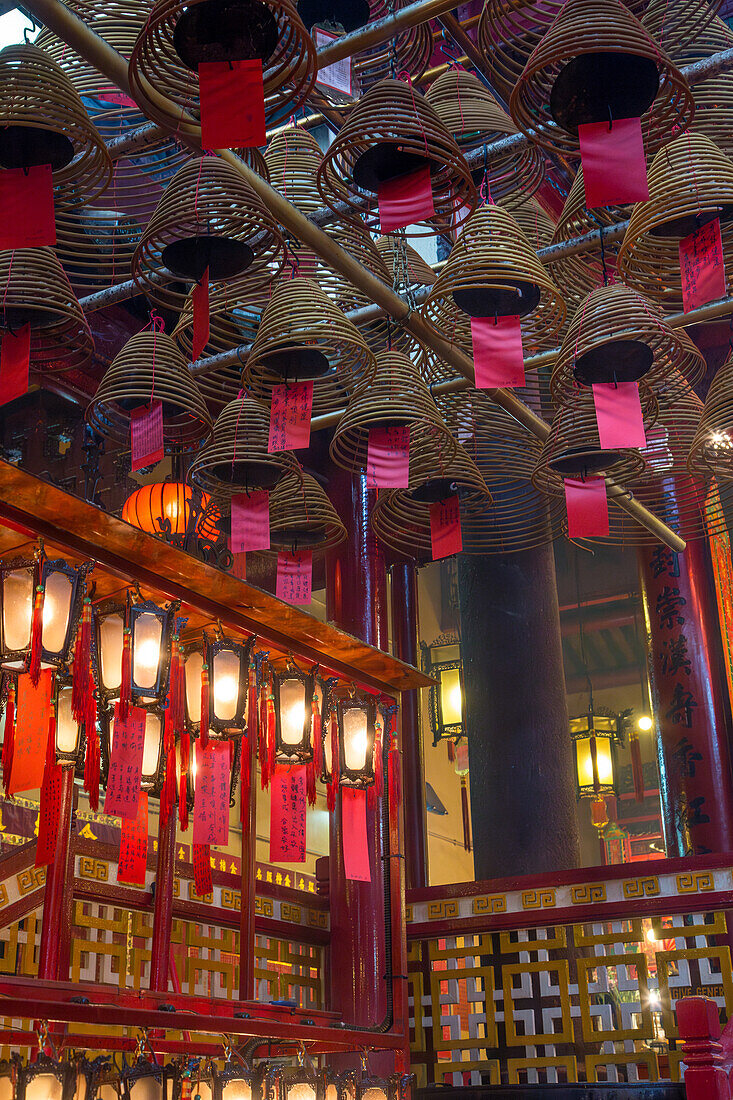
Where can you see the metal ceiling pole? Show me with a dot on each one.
(100, 54)
(379, 30)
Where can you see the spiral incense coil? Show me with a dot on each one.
(711, 451)
(236, 459)
(714, 95)
(597, 63)
(395, 397)
(407, 51)
(208, 217)
(404, 263)
(304, 336)
(505, 454)
(690, 183)
(573, 448)
(676, 25)
(470, 112)
(43, 121)
(493, 271)
(96, 246)
(536, 224)
(178, 36)
(150, 368)
(391, 132)
(233, 320)
(293, 158)
(34, 290)
(301, 515)
(616, 335)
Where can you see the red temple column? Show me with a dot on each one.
(356, 596)
(247, 881)
(405, 633)
(56, 926)
(683, 641)
(163, 904)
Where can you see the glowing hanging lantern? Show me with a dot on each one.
(357, 718)
(109, 633)
(68, 741)
(172, 509)
(148, 1080)
(227, 666)
(60, 588)
(442, 660)
(595, 737)
(293, 692)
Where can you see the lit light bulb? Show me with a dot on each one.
(147, 654)
(645, 723)
(455, 700)
(226, 690)
(651, 936)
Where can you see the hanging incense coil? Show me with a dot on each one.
(711, 451)
(43, 121)
(407, 51)
(209, 218)
(303, 336)
(596, 62)
(469, 111)
(395, 397)
(573, 447)
(690, 183)
(404, 263)
(714, 95)
(536, 224)
(34, 290)
(178, 36)
(301, 515)
(676, 25)
(505, 454)
(391, 132)
(401, 517)
(150, 368)
(493, 271)
(616, 335)
(293, 158)
(236, 460)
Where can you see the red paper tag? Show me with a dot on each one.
(202, 869)
(587, 506)
(614, 165)
(126, 763)
(406, 200)
(27, 218)
(232, 101)
(354, 833)
(250, 521)
(290, 417)
(702, 266)
(113, 95)
(239, 565)
(201, 318)
(48, 817)
(618, 413)
(133, 860)
(445, 527)
(388, 458)
(31, 732)
(287, 815)
(498, 356)
(15, 360)
(211, 800)
(146, 430)
(294, 576)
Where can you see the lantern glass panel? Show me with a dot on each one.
(332, 1092)
(355, 739)
(202, 1089)
(237, 1089)
(44, 1086)
(301, 1090)
(146, 639)
(451, 703)
(584, 761)
(7, 1090)
(146, 1087)
(80, 1088)
(108, 1091)
(226, 675)
(17, 610)
(194, 666)
(292, 713)
(374, 1092)
(151, 747)
(67, 728)
(111, 633)
(58, 593)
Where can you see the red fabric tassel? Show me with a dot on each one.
(333, 781)
(126, 681)
(51, 741)
(376, 790)
(177, 692)
(204, 728)
(270, 728)
(395, 782)
(317, 737)
(34, 663)
(262, 739)
(83, 684)
(245, 778)
(92, 757)
(310, 782)
(9, 737)
(168, 791)
(637, 768)
(465, 815)
(185, 754)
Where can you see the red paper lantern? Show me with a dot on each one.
(153, 507)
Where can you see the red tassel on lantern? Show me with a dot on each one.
(126, 680)
(394, 780)
(262, 739)
(92, 757)
(204, 730)
(9, 737)
(168, 791)
(34, 663)
(245, 778)
(185, 754)
(270, 727)
(310, 782)
(637, 768)
(82, 685)
(316, 737)
(51, 741)
(333, 782)
(376, 790)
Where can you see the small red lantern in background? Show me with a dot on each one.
(169, 508)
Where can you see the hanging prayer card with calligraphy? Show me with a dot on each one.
(353, 825)
(202, 869)
(702, 266)
(587, 506)
(445, 527)
(290, 417)
(294, 576)
(15, 362)
(618, 414)
(498, 358)
(250, 521)
(33, 712)
(232, 102)
(134, 845)
(388, 458)
(125, 764)
(211, 801)
(146, 432)
(287, 815)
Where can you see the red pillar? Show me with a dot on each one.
(405, 636)
(356, 594)
(682, 635)
(249, 869)
(163, 904)
(56, 924)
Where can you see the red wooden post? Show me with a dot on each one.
(56, 914)
(248, 872)
(702, 1053)
(163, 904)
